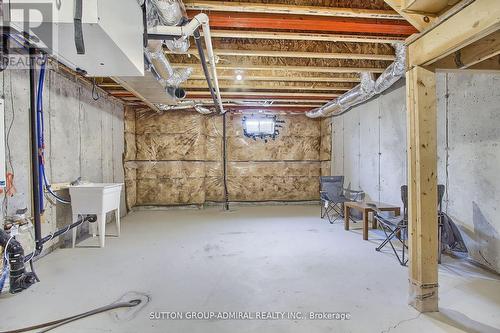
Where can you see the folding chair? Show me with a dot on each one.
(397, 227)
(333, 197)
(322, 193)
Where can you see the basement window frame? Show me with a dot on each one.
(262, 127)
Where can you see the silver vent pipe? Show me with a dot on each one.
(366, 89)
(185, 32)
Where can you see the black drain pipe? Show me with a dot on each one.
(34, 153)
(203, 60)
(19, 278)
(224, 161)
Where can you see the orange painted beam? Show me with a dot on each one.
(307, 23)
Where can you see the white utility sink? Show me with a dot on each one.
(96, 199)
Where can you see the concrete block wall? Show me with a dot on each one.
(369, 148)
(83, 137)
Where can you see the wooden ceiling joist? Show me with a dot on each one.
(426, 7)
(260, 100)
(261, 94)
(473, 54)
(476, 21)
(293, 68)
(304, 36)
(419, 21)
(190, 86)
(246, 7)
(281, 78)
(310, 106)
(306, 23)
(268, 108)
(294, 54)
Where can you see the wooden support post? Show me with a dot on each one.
(422, 189)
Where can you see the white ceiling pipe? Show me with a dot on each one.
(186, 31)
(366, 89)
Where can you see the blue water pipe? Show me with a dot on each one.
(40, 131)
(41, 142)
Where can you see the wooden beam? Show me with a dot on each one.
(261, 97)
(473, 54)
(419, 21)
(292, 68)
(281, 78)
(260, 100)
(109, 85)
(422, 189)
(294, 54)
(258, 105)
(477, 20)
(246, 7)
(271, 108)
(204, 85)
(427, 6)
(490, 65)
(262, 94)
(306, 23)
(304, 36)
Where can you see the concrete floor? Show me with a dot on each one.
(272, 258)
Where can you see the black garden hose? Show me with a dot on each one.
(60, 322)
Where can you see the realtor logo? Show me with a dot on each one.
(23, 24)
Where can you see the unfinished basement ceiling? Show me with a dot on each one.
(295, 54)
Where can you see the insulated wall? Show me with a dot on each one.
(369, 148)
(175, 158)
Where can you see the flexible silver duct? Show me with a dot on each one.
(166, 74)
(183, 106)
(169, 13)
(180, 45)
(189, 30)
(366, 89)
(164, 12)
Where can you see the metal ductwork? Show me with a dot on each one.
(171, 13)
(169, 16)
(161, 67)
(164, 12)
(183, 106)
(366, 89)
(191, 29)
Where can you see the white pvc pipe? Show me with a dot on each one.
(188, 30)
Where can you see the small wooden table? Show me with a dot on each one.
(366, 209)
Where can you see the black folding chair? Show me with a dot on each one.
(333, 197)
(322, 193)
(396, 228)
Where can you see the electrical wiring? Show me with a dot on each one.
(95, 95)
(5, 202)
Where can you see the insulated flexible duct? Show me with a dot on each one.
(189, 29)
(169, 13)
(164, 12)
(366, 89)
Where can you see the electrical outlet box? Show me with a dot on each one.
(3, 181)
